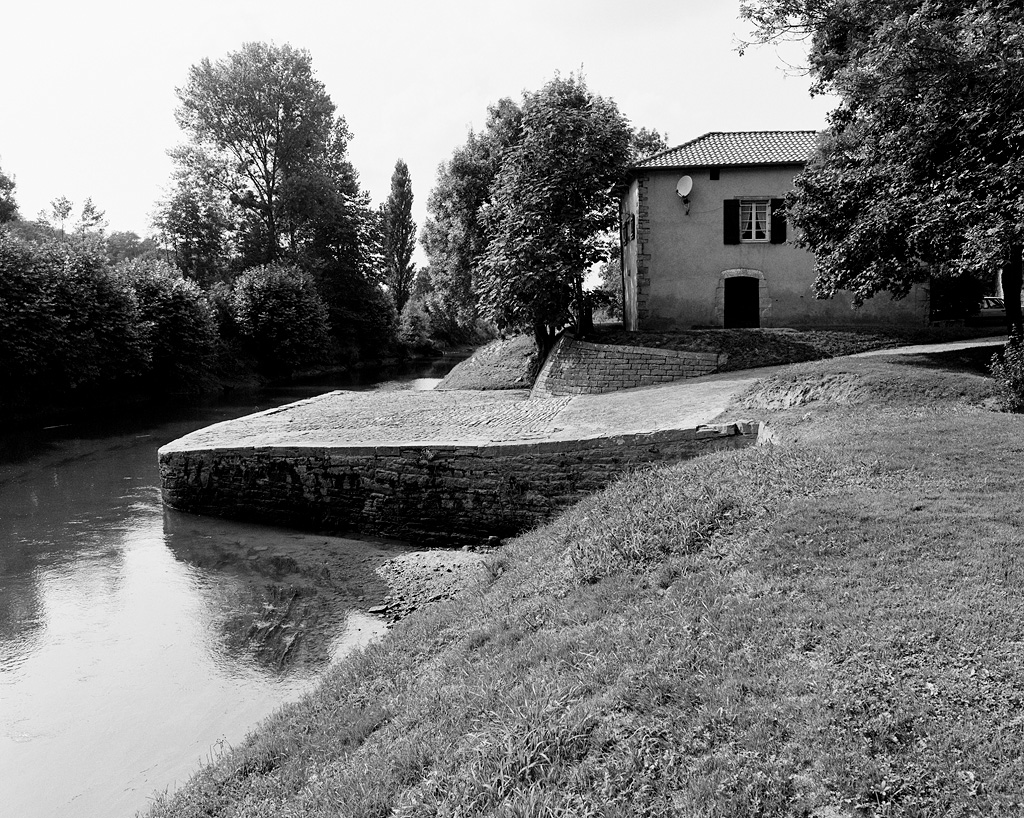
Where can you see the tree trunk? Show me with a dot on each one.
(1013, 278)
(581, 306)
(544, 337)
(271, 235)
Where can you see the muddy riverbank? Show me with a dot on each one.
(303, 587)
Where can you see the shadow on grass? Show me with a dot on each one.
(976, 360)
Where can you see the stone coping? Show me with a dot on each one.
(627, 349)
(496, 448)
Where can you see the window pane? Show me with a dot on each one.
(754, 220)
(761, 221)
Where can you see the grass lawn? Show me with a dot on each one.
(828, 627)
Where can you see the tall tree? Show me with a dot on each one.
(91, 224)
(453, 235)
(398, 236)
(265, 121)
(921, 169)
(552, 202)
(60, 212)
(8, 207)
(193, 225)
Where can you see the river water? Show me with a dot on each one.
(137, 642)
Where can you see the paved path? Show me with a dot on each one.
(947, 346)
(465, 417)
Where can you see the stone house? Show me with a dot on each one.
(705, 242)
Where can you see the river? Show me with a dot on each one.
(137, 642)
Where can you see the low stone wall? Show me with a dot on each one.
(430, 494)
(577, 367)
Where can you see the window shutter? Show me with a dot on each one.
(778, 222)
(731, 221)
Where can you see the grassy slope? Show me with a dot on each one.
(827, 627)
(509, 363)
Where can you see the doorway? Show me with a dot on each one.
(742, 302)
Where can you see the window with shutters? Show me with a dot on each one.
(751, 221)
(755, 220)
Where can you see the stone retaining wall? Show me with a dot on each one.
(577, 367)
(430, 494)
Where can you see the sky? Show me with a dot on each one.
(87, 98)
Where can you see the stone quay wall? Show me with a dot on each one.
(577, 367)
(431, 494)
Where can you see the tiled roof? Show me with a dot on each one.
(736, 148)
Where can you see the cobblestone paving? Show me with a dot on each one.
(386, 417)
(383, 417)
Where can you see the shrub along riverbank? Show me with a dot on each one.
(78, 331)
(830, 626)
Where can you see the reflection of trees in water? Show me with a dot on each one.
(71, 495)
(277, 597)
(62, 517)
(21, 619)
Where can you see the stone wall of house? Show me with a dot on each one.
(430, 494)
(683, 259)
(577, 367)
(643, 252)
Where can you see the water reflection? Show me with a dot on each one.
(135, 640)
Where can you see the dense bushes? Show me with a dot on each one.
(281, 318)
(65, 320)
(363, 322)
(177, 320)
(70, 323)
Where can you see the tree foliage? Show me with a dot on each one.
(646, 142)
(265, 178)
(552, 202)
(454, 236)
(125, 245)
(281, 318)
(180, 327)
(194, 225)
(69, 323)
(65, 322)
(91, 219)
(608, 294)
(8, 207)
(921, 169)
(398, 236)
(264, 136)
(60, 212)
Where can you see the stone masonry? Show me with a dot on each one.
(435, 494)
(643, 248)
(577, 367)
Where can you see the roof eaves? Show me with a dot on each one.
(719, 165)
